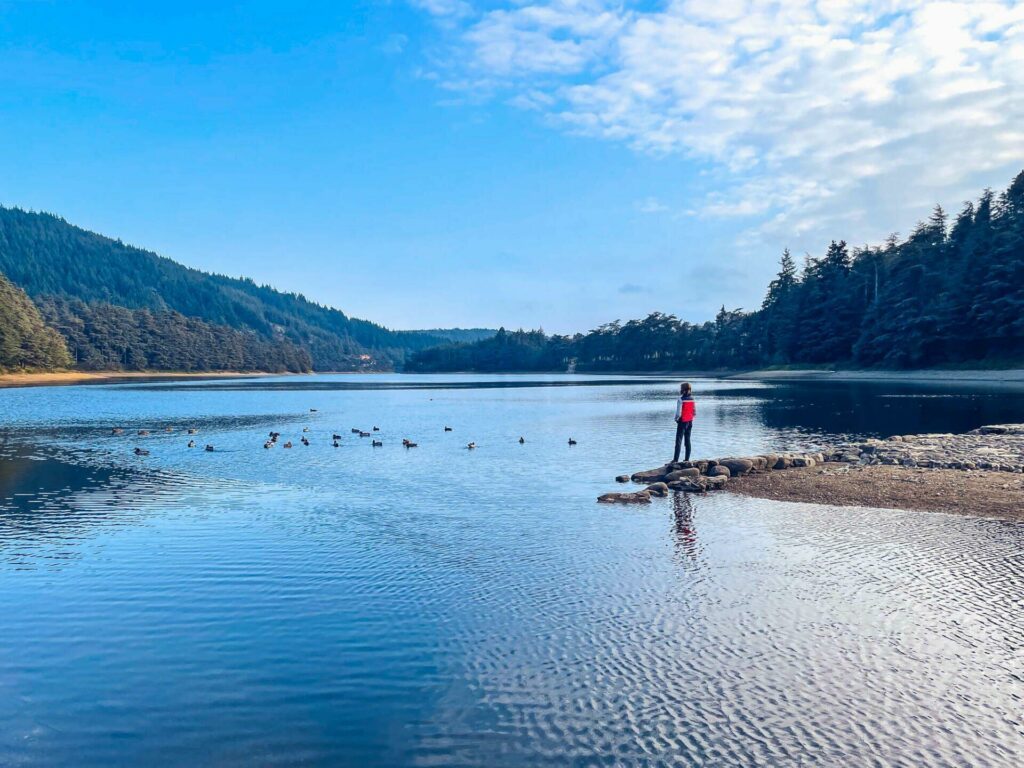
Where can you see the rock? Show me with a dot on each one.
(719, 470)
(737, 467)
(679, 474)
(760, 463)
(640, 497)
(716, 483)
(622, 479)
(658, 489)
(650, 475)
(690, 484)
(783, 462)
(803, 461)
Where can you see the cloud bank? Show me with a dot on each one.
(815, 118)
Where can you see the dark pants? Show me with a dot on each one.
(683, 430)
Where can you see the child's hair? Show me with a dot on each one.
(685, 389)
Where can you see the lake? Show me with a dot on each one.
(443, 606)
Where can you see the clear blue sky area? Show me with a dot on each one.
(327, 148)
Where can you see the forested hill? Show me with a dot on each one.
(69, 269)
(952, 293)
(25, 340)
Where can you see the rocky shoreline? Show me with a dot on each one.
(990, 449)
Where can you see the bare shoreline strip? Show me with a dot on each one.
(65, 378)
(979, 493)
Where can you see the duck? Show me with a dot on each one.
(268, 444)
(191, 443)
(376, 429)
(335, 437)
(193, 431)
(169, 429)
(364, 434)
(356, 430)
(447, 429)
(471, 446)
(312, 410)
(209, 448)
(411, 445)
(117, 431)
(287, 445)
(141, 452)
(305, 429)
(571, 441)
(336, 444)
(304, 440)
(377, 443)
(522, 440)
(143, 432)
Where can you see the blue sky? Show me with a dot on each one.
(557, 163)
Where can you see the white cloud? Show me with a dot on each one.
(813, 113)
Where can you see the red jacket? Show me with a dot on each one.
(686, 409)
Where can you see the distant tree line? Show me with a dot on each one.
(48, 257)
(951, 293)
(26, 342)
(102, 337)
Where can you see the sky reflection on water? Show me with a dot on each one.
(361, 606)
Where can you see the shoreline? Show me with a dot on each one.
(929, 375)
(980, 493)
(978, 473)
(69, 378)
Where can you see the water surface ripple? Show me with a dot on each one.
(440, 606)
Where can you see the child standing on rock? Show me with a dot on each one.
(686, 409)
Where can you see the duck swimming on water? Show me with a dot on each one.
(287, 445)
(522, 440)
(571, 441)
(336, 444)
(377, 443)
(209, 448)
(141, 452)
(191, 443)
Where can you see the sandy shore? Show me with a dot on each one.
(978, 493)
(107, 377)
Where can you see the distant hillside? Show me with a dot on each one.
(48, 257)
(456, 335)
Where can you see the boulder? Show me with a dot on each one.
(622, 479)
(690, 484)
(640, 497)
(716, 483)
(737, 467)
(650, 475)
(719, 470)
(803, 461)
(783, 462)
(679, 474)
(658, 489)
(770, 460)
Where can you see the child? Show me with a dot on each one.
(686, 409)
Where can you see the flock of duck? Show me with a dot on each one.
(274, 437)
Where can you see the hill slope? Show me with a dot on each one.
(25, 341)
(48, 257)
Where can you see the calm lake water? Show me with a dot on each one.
(439, 606)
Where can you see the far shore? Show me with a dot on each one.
(1007, 375)
(62, 378)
